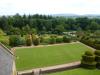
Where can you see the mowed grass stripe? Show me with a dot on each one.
(29, 58)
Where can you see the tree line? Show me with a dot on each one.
(27, 24)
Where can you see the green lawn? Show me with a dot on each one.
(78, 71)
(28, 58)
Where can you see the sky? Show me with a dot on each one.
(48, 7)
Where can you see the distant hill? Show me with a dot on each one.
(75, 15)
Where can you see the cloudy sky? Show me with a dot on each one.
(11, 7)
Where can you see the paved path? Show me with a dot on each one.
(51, 68)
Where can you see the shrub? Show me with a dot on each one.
(66, 39)
(5, 42)
(97, 52)
(97, 55)
(88, 60)
(98, 65)
(89, 53)
(52, 40)
(41, 39)
(14, 40)
(28, 40)
(96, 46)
(36, 41)
(88, 65)
(59, 40)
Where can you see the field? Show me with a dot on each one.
(78, 71)
(29, 58)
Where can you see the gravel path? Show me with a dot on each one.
(43, 45)
(51, 68)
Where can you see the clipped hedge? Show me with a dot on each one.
(88, 65)
(88, 60)
(97, 52)
(52, 40)
(36, 41)
(98, 65)
(66, 39)
(59, 40)
(89, 53)
(28, 40)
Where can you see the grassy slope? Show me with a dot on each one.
(78, 71)
(29, 58)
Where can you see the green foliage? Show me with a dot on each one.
(97, 55)
(36, 41)
(88, 60)
(59, 29)
(59, 40)
(28, 24)
(41, 39)
(52, 40)
(2, 32)
(98, 65)
(97, 52)
(28, 40)
(89, 53)
(14, 40)
(66, 39)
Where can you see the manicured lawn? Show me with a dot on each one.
(78, 71)
(29, 58)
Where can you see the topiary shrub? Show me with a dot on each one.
(88, 65)
(52, 40)
(66, 39)
(89, 53)
(28, 40)
(59, 40)
(97, 52)
(41, 39)
(14, 40)
(36, 41)
(97, 58)
(88, 60)
(98, 65)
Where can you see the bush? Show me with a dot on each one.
(59, 40)
(89, 53)
(36, 41)
(88, 65)
(97, 55)
(5, 42)
(28, 40)
(88, 60)
(41, 39)
(14, 40)
(98, 65)
(96, 46)
(97, 52)
(66, 39)
(52, 40)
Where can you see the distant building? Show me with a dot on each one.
(71, 33)
(7, 63)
